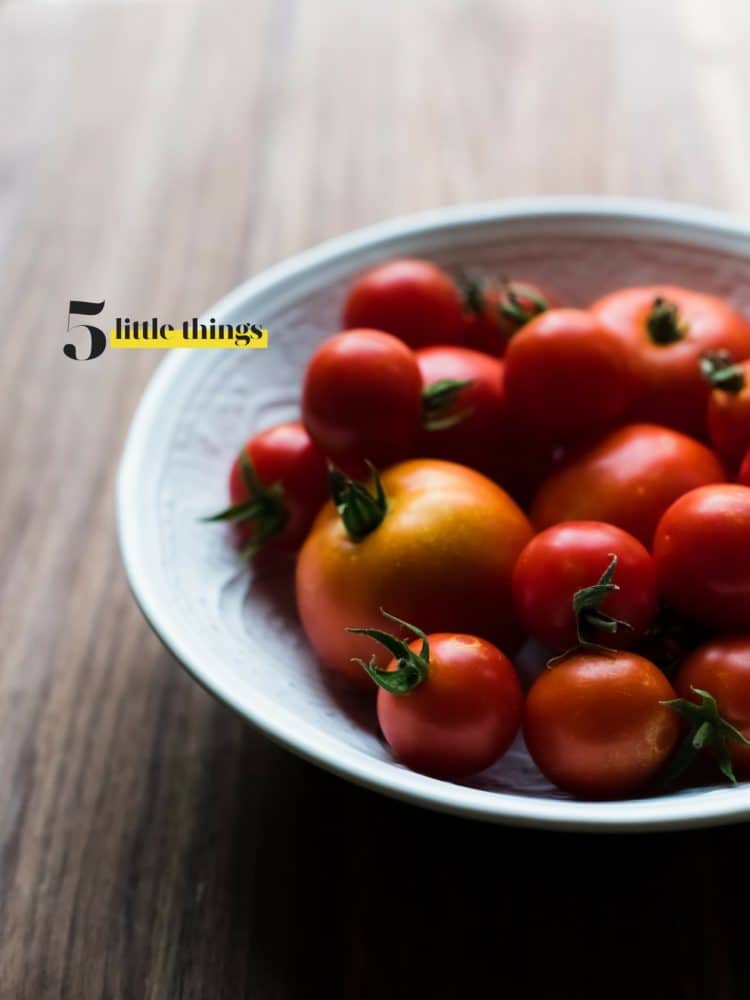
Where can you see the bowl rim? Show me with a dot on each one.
(699, 808)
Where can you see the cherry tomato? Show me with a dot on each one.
(361, 398)
(595, 724)
(744, 476)
(728, 406)
(438, 548)
(627, 479)
(464, 411)
(497, 310)
(277, 485)
(575, 560)
(702, 550)
(448, 705)
(722, 668)
(565, 374)
(412, 299)
(668, 329)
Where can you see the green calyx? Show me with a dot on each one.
(517, 311)
(437, 399)
(664, 324)
(361, 511)
(265, 508)
(471, 292)
(720, 371)
(411, 668)
(709, 731)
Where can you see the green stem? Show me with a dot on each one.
(708, 731)
(411, 668)
(437, 400)
(513, 308)
(664, 323)
(718, 368)
(361, 511)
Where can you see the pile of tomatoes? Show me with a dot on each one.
(478, 465)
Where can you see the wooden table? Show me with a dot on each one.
(153, 154)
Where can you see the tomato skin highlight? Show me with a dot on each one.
(361, 398)
(702, 550)
(729, 421)
(414, 300)
(595, 726)
(565, 374)
(479, 438)
(283, 454)
(463, 717)
(567, 557)
(443, 556)
(628, 479)
(670, 388)
(722, 667)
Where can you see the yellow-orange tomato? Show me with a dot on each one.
(442, 556)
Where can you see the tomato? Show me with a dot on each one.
(497, 310)
(722, 668)
(572, 560)
(565, 374)
(702, 550)
(277, 485)
(464, 409)
(361, 398)
(448, 705)
(668, 329)
(595, 724)
(413, 299)
(728, 406)
(438, 548)
(744, 476)
(628, 479)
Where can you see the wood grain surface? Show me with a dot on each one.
(154, 154)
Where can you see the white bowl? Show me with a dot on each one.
(236, 631)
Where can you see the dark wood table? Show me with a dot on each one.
(153, 154)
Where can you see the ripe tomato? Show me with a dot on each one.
(564, 595)
(628, 479)
(497, 310)
(464, 411)
(702, 550)
(361, 398)
(277, 485)
(744, 476)
(565, 374)
(728, 406)
(412, 299)
(448, 705)
(722, 669)
(668, 329)
(438, 548)
(595, 724)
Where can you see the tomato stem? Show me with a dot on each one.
(718, 368)
(361, 511)
(664, 324)
(265, 507)
(709, 731)
(411, 668)
(513, 308)
(587, 604)
(438, 398)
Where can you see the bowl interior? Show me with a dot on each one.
(237, 630)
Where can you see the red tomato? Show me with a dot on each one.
(744, 476)
(361, 398)
(464, 411)
(565, 374)
(571, 561)
(412, 299)
(438, 548)
(448, 705)
(728, 406)
(722, 668)
(668, 329)
(277, 485)
(595, 724)
(628, 479)
(702, 550)
(497, 310)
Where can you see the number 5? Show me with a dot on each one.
(98, 337)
